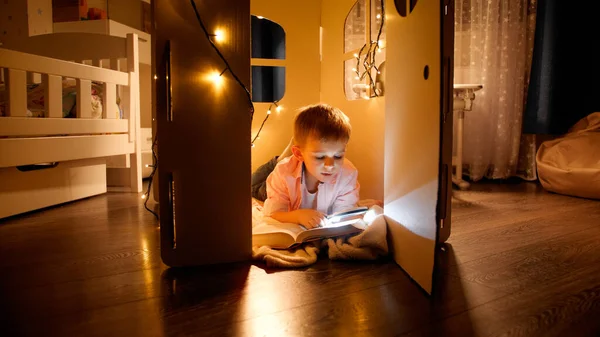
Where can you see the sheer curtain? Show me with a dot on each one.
(493, 47)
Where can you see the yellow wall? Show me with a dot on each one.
(300, 20)
(367, 116)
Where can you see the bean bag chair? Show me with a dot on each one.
(571, 164)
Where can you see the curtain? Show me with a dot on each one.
(566, 66)
(493, 47)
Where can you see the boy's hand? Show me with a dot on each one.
(310, 218)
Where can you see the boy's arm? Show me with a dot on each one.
(308, 218)
(278, 204)
(349, 194)
(278, 199)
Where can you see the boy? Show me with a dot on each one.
(317, 179)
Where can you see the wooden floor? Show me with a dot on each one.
(520, 262)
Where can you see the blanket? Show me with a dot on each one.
(367, 245)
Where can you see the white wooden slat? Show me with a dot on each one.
(115, 64)
(109, 101)
(17, 93)
(34, 78)
(133, 58)
(133, 66)
(84, 98)
(26, 151)
(104, 63)
(53, 95)
(35, 127)
(28, 62)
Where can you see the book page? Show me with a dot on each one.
(338, 221)
(332, 230)
(288, 228)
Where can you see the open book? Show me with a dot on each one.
(287, 235)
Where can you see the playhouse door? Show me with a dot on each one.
(418, 126)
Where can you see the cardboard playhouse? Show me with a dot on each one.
(401, 113)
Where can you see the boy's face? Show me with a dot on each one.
(323, 159)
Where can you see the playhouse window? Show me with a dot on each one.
(268, 52)
(362, 25)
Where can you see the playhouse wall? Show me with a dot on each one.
(365, 149)
(300, 21)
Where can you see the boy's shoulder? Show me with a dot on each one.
(289, 166)
(349, 172)
(349, 166)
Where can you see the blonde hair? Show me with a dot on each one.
(322, 122)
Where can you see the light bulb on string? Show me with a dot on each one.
(216, 78)
(219, 35)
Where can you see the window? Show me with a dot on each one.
(364, 55)
(268, 42)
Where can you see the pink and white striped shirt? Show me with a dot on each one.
(284, 188)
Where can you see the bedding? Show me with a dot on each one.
(371, 244)
(35, 100)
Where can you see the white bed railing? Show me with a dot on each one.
(51, 138)
(18, 64)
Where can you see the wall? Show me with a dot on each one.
(365, 149)
(127, 12)
(300, 20)
(97, 4)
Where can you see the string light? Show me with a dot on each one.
(278, 108)
(227, 66)
(215, 77)
(219, 35)
(369, 61)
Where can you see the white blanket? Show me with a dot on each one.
(367, 245)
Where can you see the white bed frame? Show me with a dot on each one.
(89, 156)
